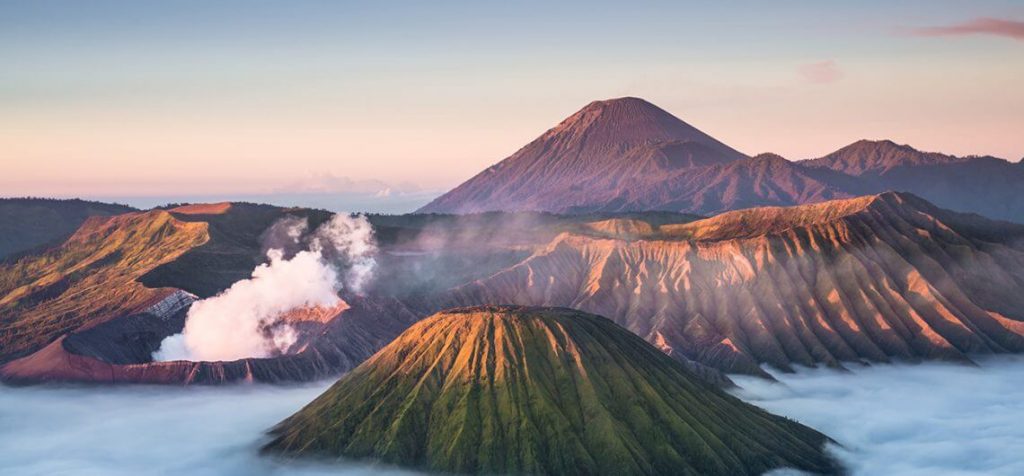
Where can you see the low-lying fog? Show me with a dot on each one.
(923, 419)
(927, 419)
(150, 430)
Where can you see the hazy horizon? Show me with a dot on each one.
(128, 99)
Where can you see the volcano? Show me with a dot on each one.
(511, 390)
(627, 155)
(873, 278)
(585, 161)
(96, 307)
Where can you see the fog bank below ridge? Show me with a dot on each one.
(931, 418)
(925, 419)
(141, 430)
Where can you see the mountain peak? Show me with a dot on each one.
(622, 105)
(769, 157)
(623, 123)
(530, 390)
(877, 157)
(626, 107)
(581, 162)
(879, 145)
(624, 101)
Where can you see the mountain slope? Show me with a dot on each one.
(95, 308)
(28, 223)
(90, 278)
(503, 390)
(625, 155)
(872, 278)
(986, 185)
(764, 180)
(117, 266)
(579, 163)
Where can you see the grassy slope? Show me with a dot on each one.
(89, 278)
(532, 390)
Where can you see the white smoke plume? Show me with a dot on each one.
(349, 242)
(245, 320)
(284, 235)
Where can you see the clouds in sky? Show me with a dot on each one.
(821, 72)
(326, 182)
(978, 26)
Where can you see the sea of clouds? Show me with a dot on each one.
(143, 430)
(925, 419)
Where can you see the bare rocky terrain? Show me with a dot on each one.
(873, 278)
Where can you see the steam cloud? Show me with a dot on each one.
(246, 319)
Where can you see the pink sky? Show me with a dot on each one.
(107, 106)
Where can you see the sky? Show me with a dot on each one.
(250, 98)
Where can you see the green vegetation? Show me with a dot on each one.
(545, 391)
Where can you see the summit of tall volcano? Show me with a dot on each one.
(584, 162)
(603, 126)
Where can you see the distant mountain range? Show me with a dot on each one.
(629, 155)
